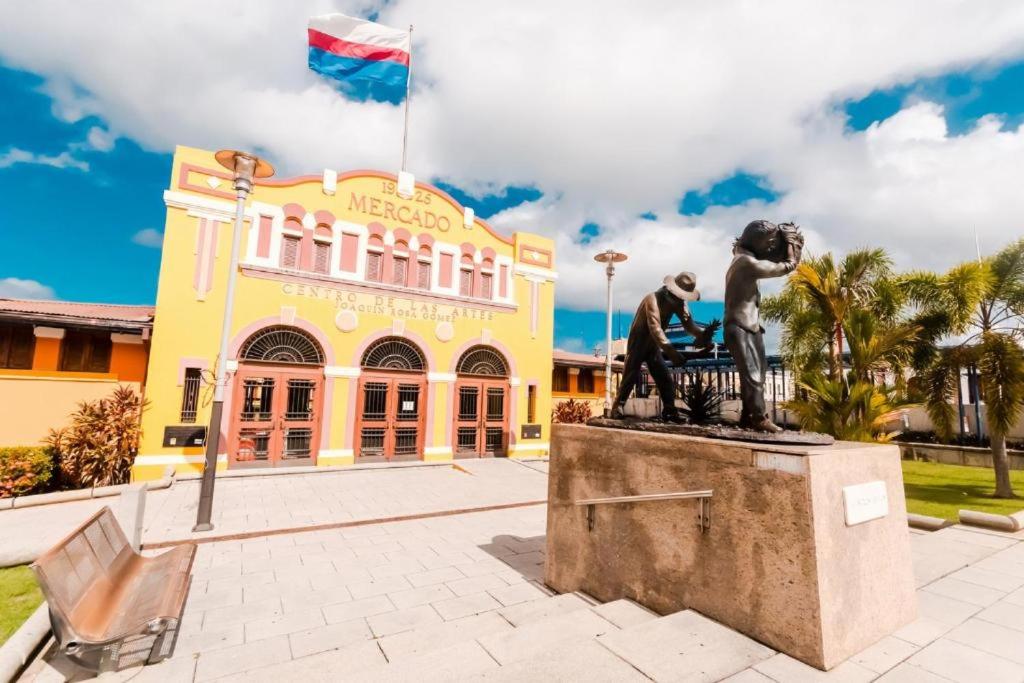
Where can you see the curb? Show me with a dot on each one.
(1009, 523)
(926, 523)
(20, 502)
(21, 648)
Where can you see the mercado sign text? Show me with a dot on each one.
(386, 305)
(414, 211)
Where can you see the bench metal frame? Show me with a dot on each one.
(108, 604)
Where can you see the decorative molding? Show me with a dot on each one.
(441, 377)
(342, 371)
(543, 446)
(544, 274)
(437, 450)
(346, 321)
(330, 186)
(287, 315)
(514, 381)
(50, 332)
(444, 331)
(231, 365)
(398, 327)
(574, 371)
(337, 453)
(216, 208)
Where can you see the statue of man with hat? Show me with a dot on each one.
(647, 342)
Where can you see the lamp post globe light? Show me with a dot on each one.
(246, 167)
(609, 257)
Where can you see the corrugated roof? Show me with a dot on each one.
(72, 312)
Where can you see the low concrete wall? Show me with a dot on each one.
(970, 456)
(779, 563)
(30, 406)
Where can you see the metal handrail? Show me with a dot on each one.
(703, 514)
(645, 497)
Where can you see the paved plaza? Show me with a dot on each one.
(461, 597)
(246, 504)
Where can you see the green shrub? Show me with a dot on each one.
(24, 470)
(100, 445)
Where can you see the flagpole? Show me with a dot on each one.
(408, 96)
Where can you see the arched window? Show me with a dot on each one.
(423, 263)
(280, 344)
(393, 353)
(482, 360)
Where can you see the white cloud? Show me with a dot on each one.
(16, 288)
(610, 111)
(149, 237)
(100, 140)
(14, 156)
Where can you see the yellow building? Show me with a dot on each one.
(366, 327)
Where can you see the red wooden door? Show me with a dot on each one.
(389, 416)
(275, 416)
(481, 418)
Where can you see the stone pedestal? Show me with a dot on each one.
(785, 560)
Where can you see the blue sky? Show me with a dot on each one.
(80, 208)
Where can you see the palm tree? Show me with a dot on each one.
(856, 406)
(985, 302)
(818, 298)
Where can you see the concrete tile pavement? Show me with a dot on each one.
(288, 500)
(457, 597)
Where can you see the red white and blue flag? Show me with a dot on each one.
(346, 48)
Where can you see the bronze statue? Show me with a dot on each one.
(763, 250)
(647, 342)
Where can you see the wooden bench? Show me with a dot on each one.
(110, 606)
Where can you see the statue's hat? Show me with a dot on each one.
(683, 286)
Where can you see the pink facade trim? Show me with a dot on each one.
(323, 231)
(403, 235)
(293, 211)
(349, 252)
(488, 254)
(202, 364)
(467, 249)
(324, 217)
(263, 240)
(299, 180)
(376, 230)
(444, 276)
(425, 239)
(428, 439)
(503, 281)
(306, 250)
(184, 184)
(206, 256)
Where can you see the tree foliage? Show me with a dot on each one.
(99, 446)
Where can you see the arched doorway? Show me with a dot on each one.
(391, 407)
(276, 400)
(480, 423)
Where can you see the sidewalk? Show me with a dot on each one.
(291, 501)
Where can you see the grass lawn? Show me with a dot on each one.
(941, 490)
(19, 597)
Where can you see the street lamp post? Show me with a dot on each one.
(246, 167)
(609, 257)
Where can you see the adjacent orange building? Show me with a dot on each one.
(581, 377)
(56, 354)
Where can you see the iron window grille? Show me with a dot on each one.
(482, 360)
(282, 344)
(190, 395)
(393, 353)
